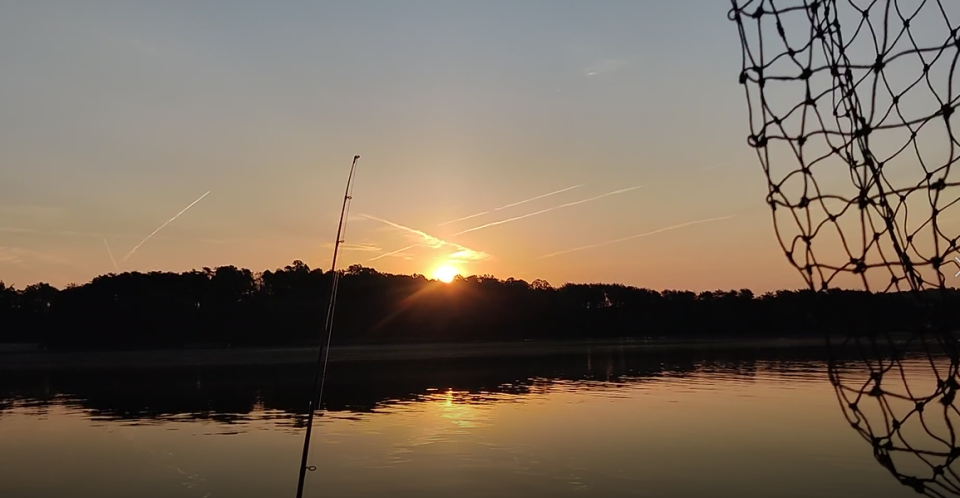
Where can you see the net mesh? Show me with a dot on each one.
(852, 107)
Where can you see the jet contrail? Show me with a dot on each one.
(464, 218)
(674, 227)
(428, 239)
(161, 227)
(511, 205)
(396, 252)
(115, 265)
(538, 197)
(515, 218)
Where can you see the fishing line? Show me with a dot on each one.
(323, 353)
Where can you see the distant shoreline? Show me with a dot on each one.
(236, 306)
(394, 352)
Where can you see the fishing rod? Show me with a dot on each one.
(323, 353)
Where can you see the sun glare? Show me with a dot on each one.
(445, 273)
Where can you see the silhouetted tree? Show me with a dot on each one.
(216, 307)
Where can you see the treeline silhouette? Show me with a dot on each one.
(229, 306)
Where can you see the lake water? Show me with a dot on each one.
(619, 423)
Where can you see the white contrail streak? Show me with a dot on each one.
(464, 218)
(428, 240)
(660, 230)
(115, 265)
(398, 251)
(542, 211)
(161, 226)
(512, 205)
(538, 197)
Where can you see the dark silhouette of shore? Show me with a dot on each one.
(232, 307)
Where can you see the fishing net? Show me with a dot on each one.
(852, 107)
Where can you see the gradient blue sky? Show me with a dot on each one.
(117, 115)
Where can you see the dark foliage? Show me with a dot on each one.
(286, 307)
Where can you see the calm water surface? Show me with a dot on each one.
(686, 424)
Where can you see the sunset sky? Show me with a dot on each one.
(118, 115)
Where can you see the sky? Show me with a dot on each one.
(556, 139)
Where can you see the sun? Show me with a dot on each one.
(445, 273)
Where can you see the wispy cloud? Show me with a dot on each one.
(69, 233)
(33, 213)
(20, 256)
(637, 236)
(18, 230)
(9, 256)
(606, 66)
(184, 210)
(542, 211)
(512, 205)
(468, 255)
(463, 253)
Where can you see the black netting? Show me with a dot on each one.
(852, 107)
